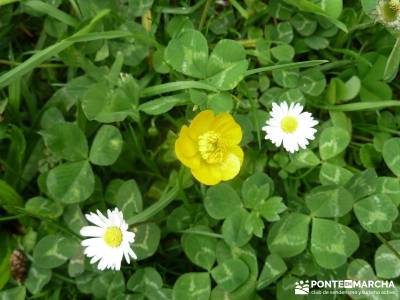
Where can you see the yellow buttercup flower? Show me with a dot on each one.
(209, 147)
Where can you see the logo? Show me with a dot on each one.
(349, 287)
(302, 287)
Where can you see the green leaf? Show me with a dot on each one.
(53, 251)
(283, 52)
(374, 91)
(17, 293)
(362, 184)
(106, 105)
(274, 268)
(316, 42)
(332, 243)
(376, 213)
(66, 140)
(256, 189)
(312, 82)
(116, 286)
(147, 240)
(334, 174)
(179, 219)
(188, 53)
(271, 209)
(304, 159)
(370, 158)
(192, 286)
(352, 89)
(71, 182)
(308, 6)
(392, 64)
(221, 201)
(285, 32)
(76, 265)
(221, 102)
(279, 10)
(333, 141)
(74, 218)
(200, 249)
(303, 25)
(230, 274)
(5, 254)
(391, 154)
(37, 278)
(359, 269)
(286, 78)
(234, 230)
(40, 206)
(9, 198)
(389, 186)
(129, 198)
(106, 147)
(329, 201)
(387, 263)
(369, 6)
(332, 8)
(227, 65)
(144, 280)
(164, 104)
(288, 237)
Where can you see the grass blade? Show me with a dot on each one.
(52, 11)
(303, 64)
(175, 86)
(41, 56)
(362, 106)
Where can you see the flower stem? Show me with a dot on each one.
(166, 198)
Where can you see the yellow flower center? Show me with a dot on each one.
(113, 236)
(289, 124)
(211, 147)
(394, 5)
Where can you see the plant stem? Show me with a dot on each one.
(204, 14)
(166, 198)
(3, 219)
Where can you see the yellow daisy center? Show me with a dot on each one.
(113, 236)
(394, 5)
(211, 147)
(289, 124)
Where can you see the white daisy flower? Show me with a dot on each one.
(290, 126)
(109, 240)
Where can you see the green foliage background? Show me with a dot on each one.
(93, 94)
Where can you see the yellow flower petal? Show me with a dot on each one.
(230, 167)
(186, 149)
(201, 123)
(236, 150)
(226, 125)
(186, 144)
(207, 174)
(190, 162)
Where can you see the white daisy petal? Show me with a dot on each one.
(109, 241)
(93, 231)
(290, 126)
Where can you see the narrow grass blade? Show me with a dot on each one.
(303, 64)
(175, 86)
(52, 11)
